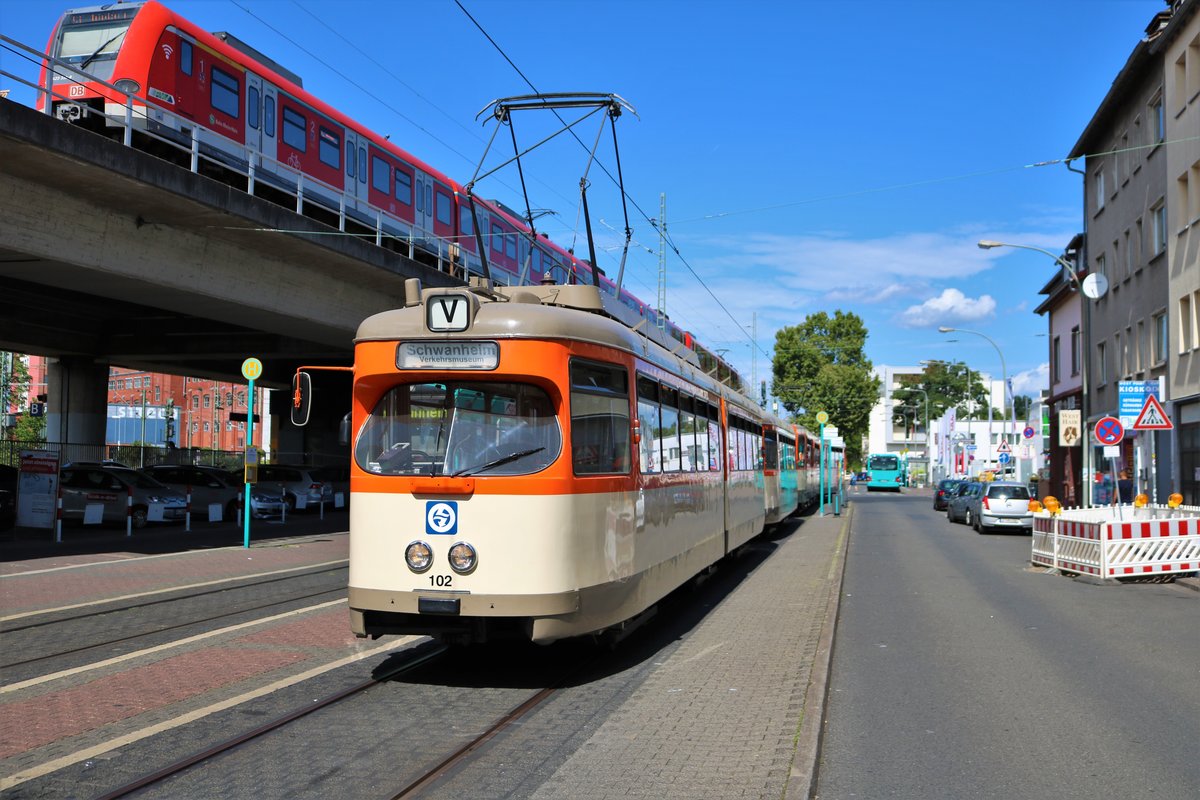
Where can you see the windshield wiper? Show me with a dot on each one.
(100, 49)
(508, 459)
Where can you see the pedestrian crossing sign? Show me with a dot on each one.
(1153, 417)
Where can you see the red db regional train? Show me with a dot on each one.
(530, 463)
(243, 117)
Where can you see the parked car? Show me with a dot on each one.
(8, 496)
(338, 480)
(298, 486)
(1001, 504)
(958, 505)
(211, 485)
(943, 491)
(110, 488)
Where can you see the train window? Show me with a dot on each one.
(468, 428)
(403, 187)
(429, 198)
(687, 434)
(330, 148)
(225, 92)
(381, 175)
(465, 226)
(350, 159)
(599, 419)
(510, 246)
(294, 125)
(253, 101)
(362, 165)
(185, 56)
(269, 116)
(497, 238)
(443, 208)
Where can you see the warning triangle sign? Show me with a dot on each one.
(1152, 418)
(1004, 447)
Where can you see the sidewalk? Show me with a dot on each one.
(736, 710)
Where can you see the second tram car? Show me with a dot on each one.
(526, 464)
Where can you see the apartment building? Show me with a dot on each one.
(1140, 162)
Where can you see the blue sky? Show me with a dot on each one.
(814, 155)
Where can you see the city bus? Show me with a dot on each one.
(885, 472)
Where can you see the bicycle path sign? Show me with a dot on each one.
(1109, 431)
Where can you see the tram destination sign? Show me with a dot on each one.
(448, 355)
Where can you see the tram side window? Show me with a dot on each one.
(669, 415)
(648, 425)
(687, 433)
(770, 449)
(225, 92)
(269, 116)
(599, 419)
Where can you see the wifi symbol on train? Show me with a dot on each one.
(167, 51)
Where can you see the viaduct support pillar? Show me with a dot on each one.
(77, 412)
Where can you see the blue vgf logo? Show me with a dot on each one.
(441, 518)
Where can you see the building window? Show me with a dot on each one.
(1099, 266)
(207, 401)
(1075, 350)
(1159, 118)
(1187, 339)
(1101, 364)
(1159, 215)
(1098, 181)
(1128, 255)
(1159, 321)
(1055, 361)
(1140, 347)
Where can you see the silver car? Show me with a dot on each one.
(300, 487)
(212, 485)
(112, 489)
(1001, 505)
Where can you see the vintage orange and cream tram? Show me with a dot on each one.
(528, 463)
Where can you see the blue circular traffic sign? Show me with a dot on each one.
(1109, 430)
(1029, 432)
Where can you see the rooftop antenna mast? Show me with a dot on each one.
(501, 110)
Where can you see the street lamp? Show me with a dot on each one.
(1085, 334)
(1003, 376)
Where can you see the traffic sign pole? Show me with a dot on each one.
(251, 369)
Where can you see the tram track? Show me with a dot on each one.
(233, 743)
(166, 629)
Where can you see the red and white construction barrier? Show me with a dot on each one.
(1107, 543)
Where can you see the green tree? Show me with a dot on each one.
(820, 365)
(15, 375)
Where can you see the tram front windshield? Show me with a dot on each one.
(460, 429)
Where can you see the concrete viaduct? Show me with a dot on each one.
(109, 255)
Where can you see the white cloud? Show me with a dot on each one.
(949, 307)
(1032, 382)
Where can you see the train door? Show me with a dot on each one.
(355, 174)
(423, 205)
(254, 105)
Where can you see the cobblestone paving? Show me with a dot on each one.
(719, 718)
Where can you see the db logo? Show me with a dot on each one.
(77, 90)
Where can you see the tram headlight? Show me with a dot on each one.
(462, 558)
(419, 556)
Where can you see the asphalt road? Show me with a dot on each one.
(959, 672)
